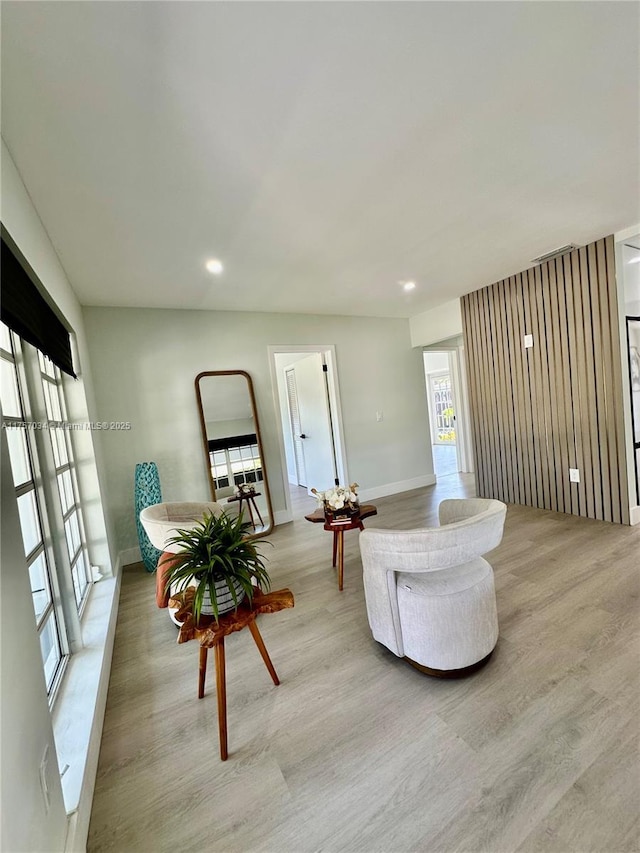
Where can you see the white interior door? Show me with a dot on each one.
(315, 424)
(296, 428)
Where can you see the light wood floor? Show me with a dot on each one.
(301, 502)
(357, 751)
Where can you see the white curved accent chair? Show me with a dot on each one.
(161, 522)
(430, 594)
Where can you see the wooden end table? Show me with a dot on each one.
(211, 634)
(249, 497)
(338, 527)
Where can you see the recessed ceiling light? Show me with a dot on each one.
(409, 285)
(214, 266)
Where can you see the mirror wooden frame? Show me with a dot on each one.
(205, 441)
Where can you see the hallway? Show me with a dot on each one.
(445, 460)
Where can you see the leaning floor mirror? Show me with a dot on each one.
(232, 446)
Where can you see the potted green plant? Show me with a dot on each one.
(218, 558)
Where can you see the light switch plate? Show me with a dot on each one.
(528, 341)
(574, 475)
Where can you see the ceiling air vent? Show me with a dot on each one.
(555, 253)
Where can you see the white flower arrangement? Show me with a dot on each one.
(338, 497)
(244, 489)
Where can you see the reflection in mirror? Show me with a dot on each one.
(233, 447)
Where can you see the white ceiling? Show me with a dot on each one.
(323, 150)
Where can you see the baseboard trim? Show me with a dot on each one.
(129, 556)
(282, 516)
(395, 488)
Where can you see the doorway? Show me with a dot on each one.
(442, 420)
(448, 415)
(309, 422)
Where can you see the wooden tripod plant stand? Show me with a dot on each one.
(211, 633)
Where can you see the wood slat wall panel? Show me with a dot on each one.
(558, 431)
(603, 442)
(477, 434)
(566, 408)
(616, 366)
(546, 358)
(583, 431)
(473, 366)
(590, 383)
(612, 372)
(607, 378)
(512, 435)
(486, 424)
(488, 400)
(484, 486)
(534, 356)
(530, 413)
(577, 494)
(505, 400)
(520, 386)
(499, 482)
(540, 411)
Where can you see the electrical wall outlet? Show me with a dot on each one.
(574, 475)
(379, 416)
(528, 341)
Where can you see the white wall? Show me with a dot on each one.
(631, 277)
(224, 429)
(26, 721)
(23, 224)
(145, 362)
(436, 361)
(628, 281)
(438, 324)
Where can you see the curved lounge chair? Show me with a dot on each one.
(161, 522)
(430, 594)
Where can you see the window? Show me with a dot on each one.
(44, 477)
(65, 475)
(235, 465)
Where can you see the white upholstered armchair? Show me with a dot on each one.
(161, 522)
(430, 594)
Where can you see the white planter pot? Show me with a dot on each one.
(223, 597)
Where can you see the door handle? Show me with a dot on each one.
(303, 436)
